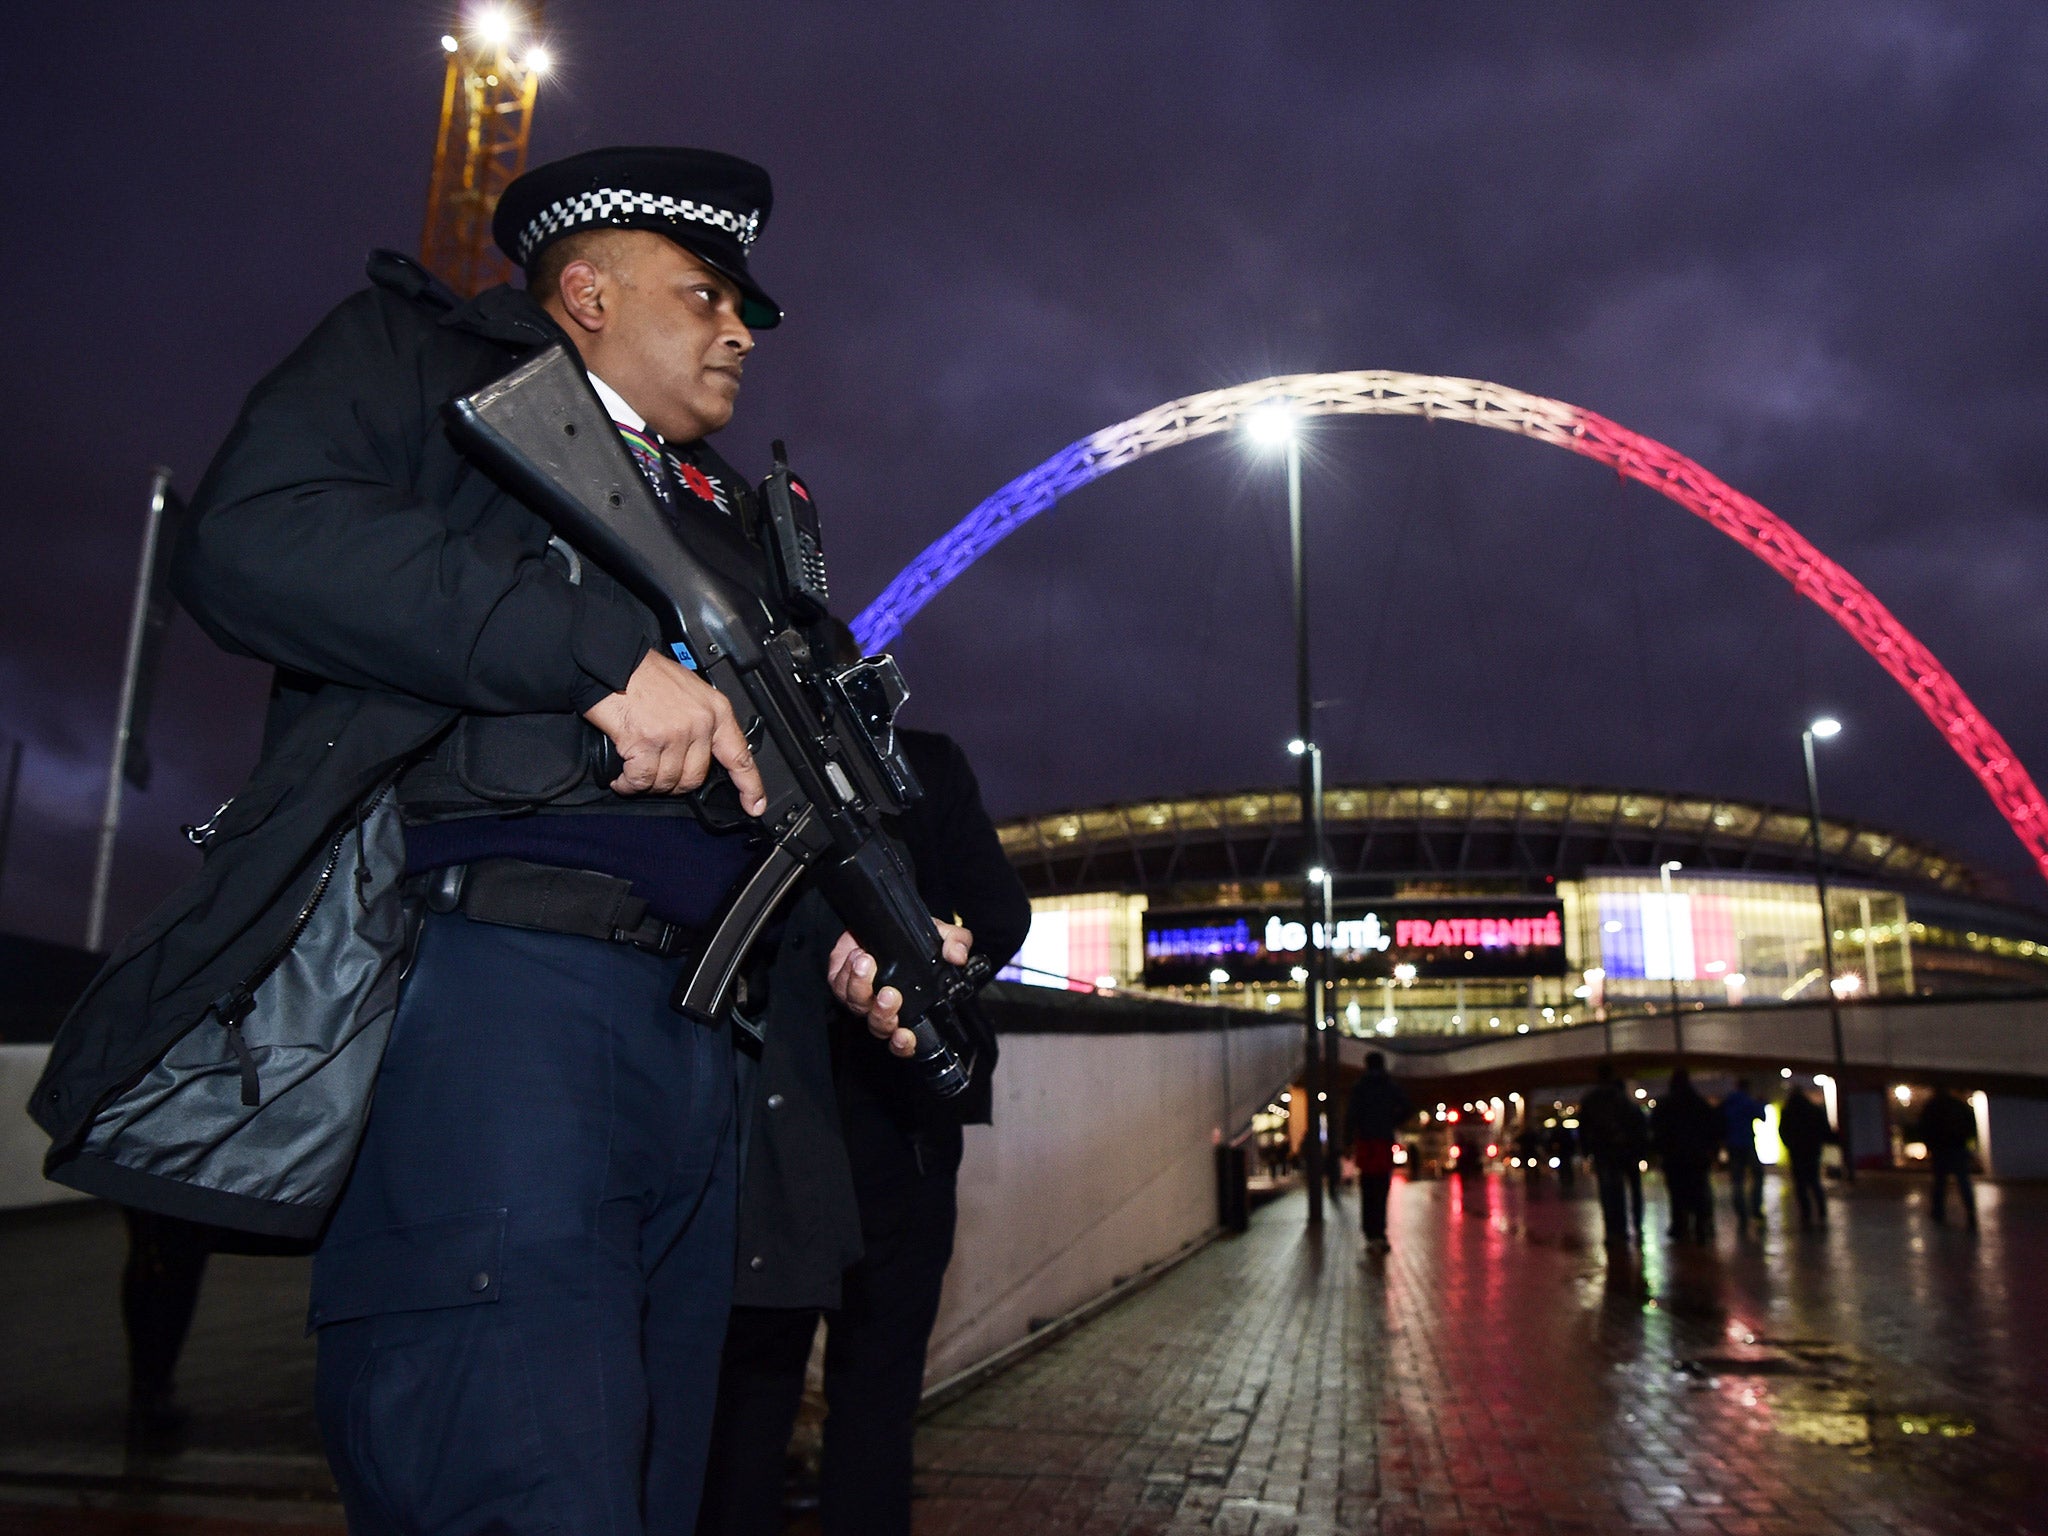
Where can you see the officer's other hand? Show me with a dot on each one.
(669, 725)
(851, 975)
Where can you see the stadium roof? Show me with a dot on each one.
(1437, 830)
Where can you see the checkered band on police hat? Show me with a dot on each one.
(622, 206)
(713, 204)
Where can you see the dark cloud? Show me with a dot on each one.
(1795, 242)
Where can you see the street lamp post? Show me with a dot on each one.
(1664, 871)
(1333, 1173)
(1275, 426)
(1217, 977)
(1825, 729)
(1314, 1024)
(1321, 901)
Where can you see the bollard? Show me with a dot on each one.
(1233, 1201)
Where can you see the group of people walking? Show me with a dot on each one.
(1688, 1134)
(1684, 1131)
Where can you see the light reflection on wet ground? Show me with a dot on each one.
(1503, 1370)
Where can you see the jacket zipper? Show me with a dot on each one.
(240, 1000)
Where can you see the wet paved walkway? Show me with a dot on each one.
(1495, 1373)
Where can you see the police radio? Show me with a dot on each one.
(794, 541)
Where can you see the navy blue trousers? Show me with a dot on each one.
(522, 1296)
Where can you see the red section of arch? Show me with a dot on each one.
(1767, 536)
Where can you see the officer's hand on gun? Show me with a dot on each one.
(851, 974)
(669, 725)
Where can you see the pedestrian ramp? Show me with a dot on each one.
(1996, 1044)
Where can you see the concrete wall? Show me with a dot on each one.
(1865, 1122)
(22, 1142)
(2012, 1135)
(1100, 1161)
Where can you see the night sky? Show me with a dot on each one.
(1801, 242)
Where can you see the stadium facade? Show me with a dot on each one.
(1476, 908)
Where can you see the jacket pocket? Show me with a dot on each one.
(264, 1098)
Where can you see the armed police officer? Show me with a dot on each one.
(429, 888)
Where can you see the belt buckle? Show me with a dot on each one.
(667, 940)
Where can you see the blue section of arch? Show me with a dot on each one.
(981, 530)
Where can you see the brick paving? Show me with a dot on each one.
(1496, 1373)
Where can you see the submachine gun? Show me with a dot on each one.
(823, 738)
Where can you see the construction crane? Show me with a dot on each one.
(495, 63)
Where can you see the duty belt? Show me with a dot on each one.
(582, 902)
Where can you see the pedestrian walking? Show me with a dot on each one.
(1375, 1114)
(1614, 1132)
(1687, 1132)
(1803, 1128)
(1529, 1147)
(1948, 1127)
(1740, 1112)
(1563, 1143)
(1470, 1141)
(1638, 1159)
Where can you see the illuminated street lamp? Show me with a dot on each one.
(496, 25)
(1272, 425)
(1275, 425)
(1826, 729)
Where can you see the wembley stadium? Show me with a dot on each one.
(1474, 908)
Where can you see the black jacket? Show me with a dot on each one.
(1611, 1124)
(1377, 1110)
(1685, 1128)
(340, 536)
(1803, 1127)
(1947, 1124)
(799, 1225)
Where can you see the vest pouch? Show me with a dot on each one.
(520, 759)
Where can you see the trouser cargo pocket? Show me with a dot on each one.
(424, 1391)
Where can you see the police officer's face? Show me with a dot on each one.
(660, 327)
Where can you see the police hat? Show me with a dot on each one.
(712, 205)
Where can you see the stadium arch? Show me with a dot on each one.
(1477, 403)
